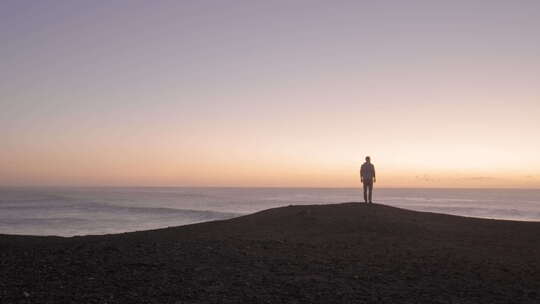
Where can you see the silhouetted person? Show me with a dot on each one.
(367, 177)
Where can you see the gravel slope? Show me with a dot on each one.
(341, 253)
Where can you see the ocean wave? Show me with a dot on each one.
(100, 219)
(98, 207)
(475, 211)
(37, 221)
(106, 207)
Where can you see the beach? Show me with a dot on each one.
(195, 152)
(339, 253)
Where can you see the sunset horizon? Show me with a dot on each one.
(91, 96)
(306, 151)
(254, 95)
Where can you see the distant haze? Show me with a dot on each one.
(270, 93)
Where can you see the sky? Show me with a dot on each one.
(270, 93)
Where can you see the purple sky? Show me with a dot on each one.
(269, 93)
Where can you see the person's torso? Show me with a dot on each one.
(367, 170)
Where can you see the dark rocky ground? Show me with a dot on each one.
(346, 253)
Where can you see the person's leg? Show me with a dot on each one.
(370, 191)
(365, 192)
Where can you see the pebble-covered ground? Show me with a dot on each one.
(344, 253)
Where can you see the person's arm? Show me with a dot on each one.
(374, 178)
(361, 176)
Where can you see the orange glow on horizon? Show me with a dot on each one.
(265, 93)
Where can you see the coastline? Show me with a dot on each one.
(341, 253)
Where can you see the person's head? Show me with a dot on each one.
(368, 159)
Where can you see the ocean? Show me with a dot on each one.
(83, 211)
